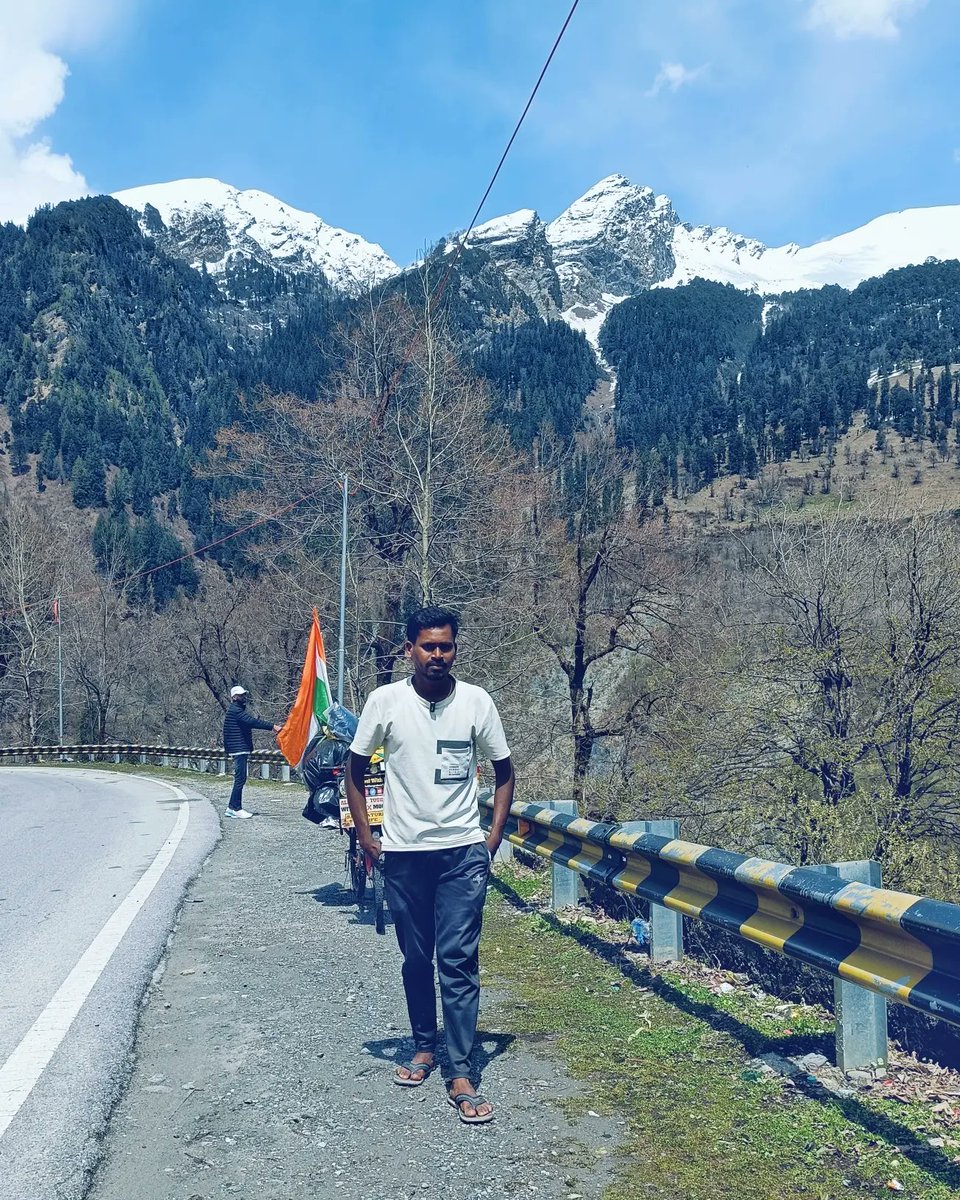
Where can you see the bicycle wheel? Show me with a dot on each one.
(378, 917)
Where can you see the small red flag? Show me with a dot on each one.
(56, 611)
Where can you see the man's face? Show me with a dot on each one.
(433, 653)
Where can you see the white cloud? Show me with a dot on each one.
(32, 81)
(861, 18)
(673, 76)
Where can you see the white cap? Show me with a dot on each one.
(238, 691)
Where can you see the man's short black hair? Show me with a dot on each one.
(431, 617)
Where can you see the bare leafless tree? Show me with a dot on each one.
(31, 577)
(604, 594)
(435, 487)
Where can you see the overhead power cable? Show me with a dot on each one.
(506, 150)
(435, 297)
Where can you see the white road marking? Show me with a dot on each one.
(19, 1074)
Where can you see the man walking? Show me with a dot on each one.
(436, 861)
(238, 727)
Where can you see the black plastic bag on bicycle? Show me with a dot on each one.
(322, 757)
(323, 803)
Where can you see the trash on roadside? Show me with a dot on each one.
(641, 931)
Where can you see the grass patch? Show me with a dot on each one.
(667, 1056)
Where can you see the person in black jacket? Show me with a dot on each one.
(238, 727)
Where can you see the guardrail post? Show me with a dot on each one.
(565, 890)
(285, 773)
(183, 763)
(116, 757)
(666, 926)
(204, 763)
(164, 760)
(222, 767)
(142, 757)
(265, 770)
(861, 1016)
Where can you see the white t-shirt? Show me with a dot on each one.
(430, 756)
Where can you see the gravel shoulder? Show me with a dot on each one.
(263, 1058)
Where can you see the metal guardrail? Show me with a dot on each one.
(205, 757)
(903, 947)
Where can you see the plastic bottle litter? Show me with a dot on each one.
(641, 931)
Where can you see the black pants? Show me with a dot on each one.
(436, 901)
(239, 779)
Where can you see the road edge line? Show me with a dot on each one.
(23, 1069)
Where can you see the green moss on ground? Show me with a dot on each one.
(667, 1056)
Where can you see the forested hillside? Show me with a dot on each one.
(119, 365)
(712, 380)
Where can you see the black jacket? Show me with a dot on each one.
(238, 727)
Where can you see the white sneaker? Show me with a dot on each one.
(239, 814)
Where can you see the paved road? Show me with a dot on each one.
(93, 868)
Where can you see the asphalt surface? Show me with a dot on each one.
(74, 845)
(264, 1057)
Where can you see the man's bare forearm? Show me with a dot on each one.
(357, 799)
(505, 782)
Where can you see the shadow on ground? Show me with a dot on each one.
(487, 1047)
(333, 895)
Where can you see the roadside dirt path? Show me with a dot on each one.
(262, 1065)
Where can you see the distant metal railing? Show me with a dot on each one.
(188, 758)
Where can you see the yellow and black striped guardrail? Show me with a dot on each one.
(904, 947)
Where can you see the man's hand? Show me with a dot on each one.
(492, 844)
(369, 845)
(277, 728)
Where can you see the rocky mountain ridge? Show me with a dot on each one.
(616, 240)
(217, 228)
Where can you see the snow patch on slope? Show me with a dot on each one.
(503, 231)
(894, 240)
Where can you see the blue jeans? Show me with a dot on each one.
(436, 902)
(239, 779)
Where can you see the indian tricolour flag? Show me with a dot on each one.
(312, 702)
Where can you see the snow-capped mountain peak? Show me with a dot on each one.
(211, 223)
(613, 240)
(619, 238)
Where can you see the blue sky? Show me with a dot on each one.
(788, 120)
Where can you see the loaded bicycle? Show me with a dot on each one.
(322, 770)
(361, 868)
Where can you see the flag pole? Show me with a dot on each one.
(343, 592)
(60, 669)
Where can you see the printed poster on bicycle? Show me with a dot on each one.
(373, 788)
